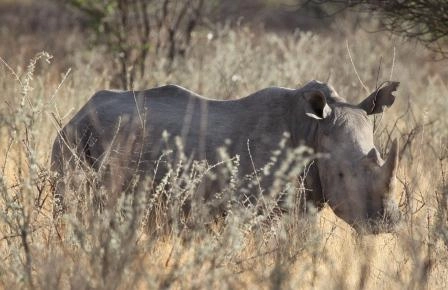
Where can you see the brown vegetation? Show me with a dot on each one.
(117, 248)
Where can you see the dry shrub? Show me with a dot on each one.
(146, 240)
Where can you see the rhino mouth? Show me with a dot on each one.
(373, 226)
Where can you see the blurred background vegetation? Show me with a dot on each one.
(224, 50)
(133, 34)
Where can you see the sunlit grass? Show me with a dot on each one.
(315, 251)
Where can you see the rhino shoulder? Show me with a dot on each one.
(270, 93)
(170, 91)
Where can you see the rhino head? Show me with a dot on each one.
(356, 182)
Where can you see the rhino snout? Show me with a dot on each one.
(384, 221)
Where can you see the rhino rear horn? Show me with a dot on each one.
(380, 98)
(389, 168)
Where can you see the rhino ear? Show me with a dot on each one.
(375, 103)
(317, 106)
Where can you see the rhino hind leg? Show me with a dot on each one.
(57, 167)
(69, 174)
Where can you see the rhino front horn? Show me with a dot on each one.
(389, 169)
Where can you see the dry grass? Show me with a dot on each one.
(317, 251)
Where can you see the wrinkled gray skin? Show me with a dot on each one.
(353, 180)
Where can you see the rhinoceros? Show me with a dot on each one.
(351, 177)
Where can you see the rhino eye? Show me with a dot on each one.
(341, 175)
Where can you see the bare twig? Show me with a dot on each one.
(354, 68)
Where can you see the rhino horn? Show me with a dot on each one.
(389, 168)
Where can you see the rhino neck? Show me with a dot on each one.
(304, 131)
(313, 185)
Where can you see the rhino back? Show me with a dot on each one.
(127, 128)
